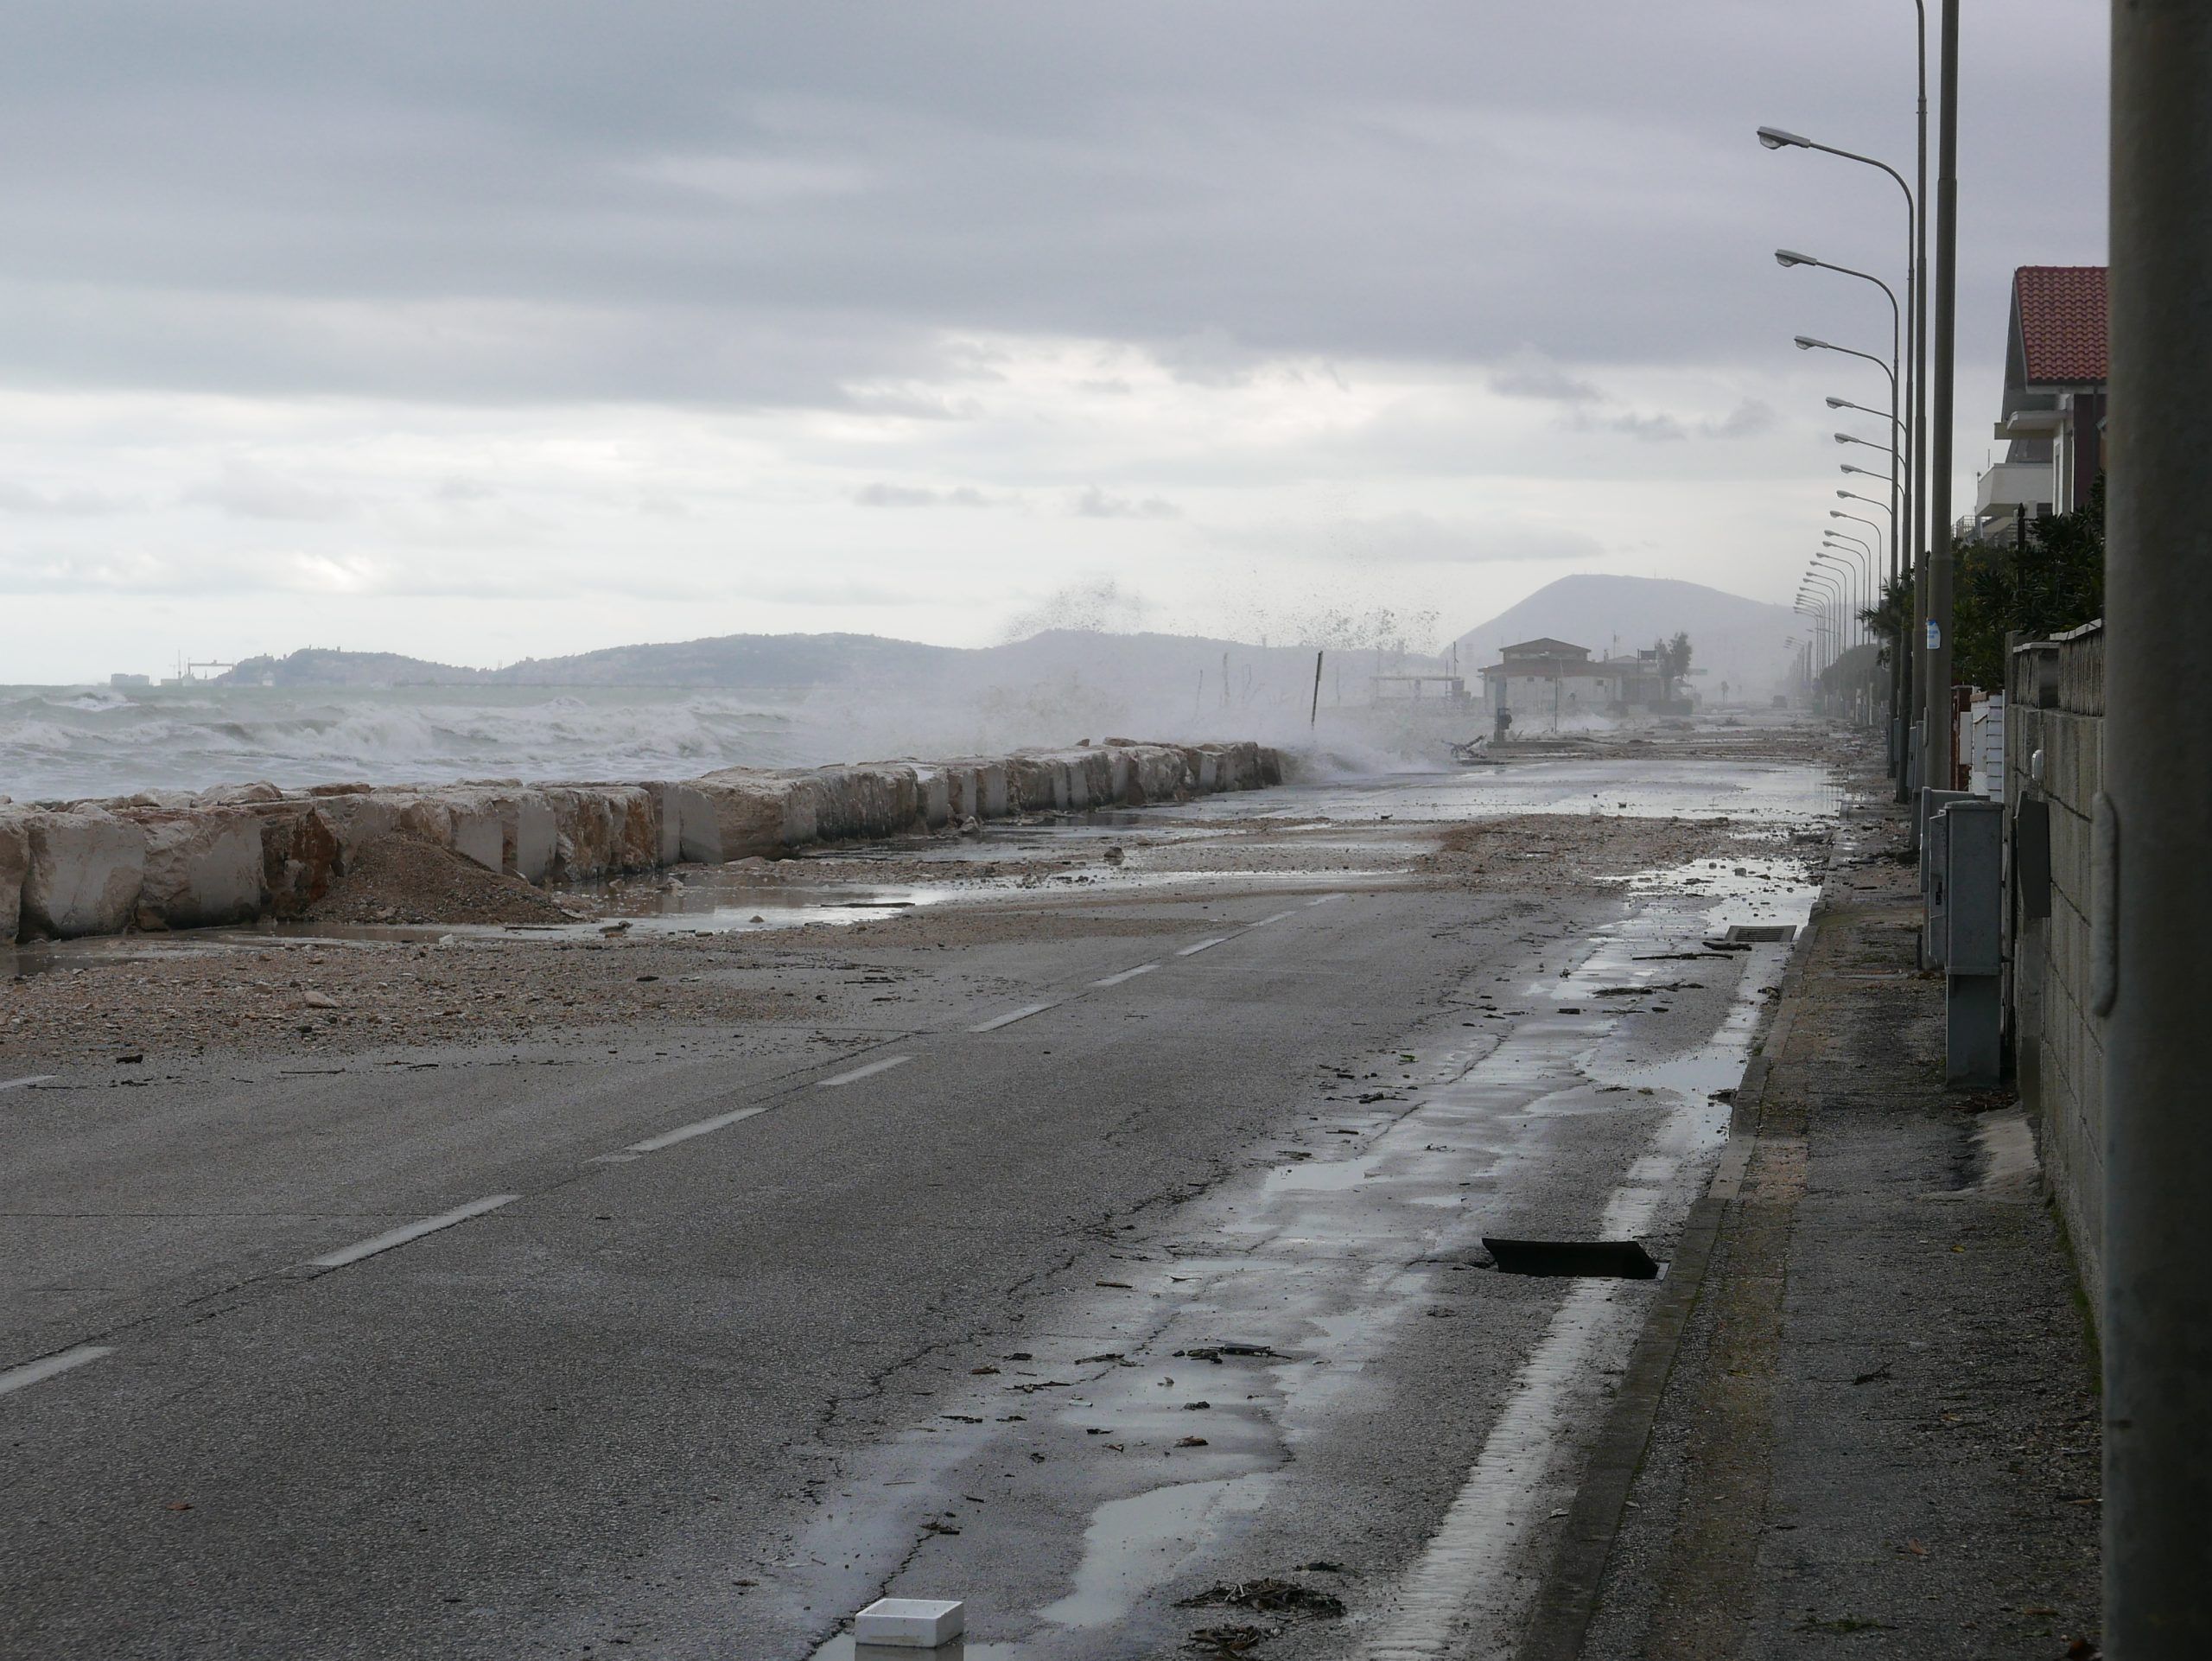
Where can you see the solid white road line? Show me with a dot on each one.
(1011, 1016)
(1202, 946)
(401, 1236)
(685, 1132)
(870, 1070)
(32, 1371)
(1127, 974)
(1277, 918)
(19, 1083)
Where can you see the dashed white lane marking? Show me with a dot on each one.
(1325, 899)
(20, 1084)
(406, 1232)
(1202, 946)
(1010, 1017)
(1127, 974)
(32, 1372)
(685, 1132)
(870, 1070)
(1277, 918)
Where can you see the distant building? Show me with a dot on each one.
(1417, 689)
(1545, 681)
(129, 680)
(2054, 410)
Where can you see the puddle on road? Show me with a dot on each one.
(1773, 792)
(1322, 1264)
(1133, 1545)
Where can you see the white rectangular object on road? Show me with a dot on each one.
(910, 1623)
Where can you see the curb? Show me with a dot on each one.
(1568, 1600)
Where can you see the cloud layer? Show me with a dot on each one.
(514, 303)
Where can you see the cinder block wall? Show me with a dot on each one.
(2056, 708)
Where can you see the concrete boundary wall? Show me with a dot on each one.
(2054, 770)
(238, 853)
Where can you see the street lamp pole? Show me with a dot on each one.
(2147, 933)
(1853, 595)
(1936, 740)
(1786, 257)
(1916, 554)
(1907, 559)
(1776, 138)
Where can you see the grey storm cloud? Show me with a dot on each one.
(793, 205)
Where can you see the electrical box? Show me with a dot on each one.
(1934, 935)
(1974, 899)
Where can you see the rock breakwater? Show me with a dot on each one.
(236, 854)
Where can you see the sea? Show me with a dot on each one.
(71, 742)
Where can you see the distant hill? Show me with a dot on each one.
(740, 660)
(1732, 639)
(758, 662)
(323, 666)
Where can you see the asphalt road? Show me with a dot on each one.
(724, 1333)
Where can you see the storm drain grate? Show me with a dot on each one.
(1624, 1260)
(1761, 934)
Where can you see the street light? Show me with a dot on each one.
(1777, 139)
(1852, 438)
(1860, 551)
(1870, 501)
(1856, 518)
(1846, 404)
(1787, 257)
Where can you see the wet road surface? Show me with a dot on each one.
(1094, 1272)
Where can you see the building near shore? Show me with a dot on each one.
(2053, 415)
(1546, 682)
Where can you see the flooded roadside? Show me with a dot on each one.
(1237, 1345)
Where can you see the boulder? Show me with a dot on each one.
(301, 852)
(202, 869)
(736, 813)
(15, 866)
(85, 870)
(238, 795)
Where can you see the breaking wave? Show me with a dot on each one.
(58, 743)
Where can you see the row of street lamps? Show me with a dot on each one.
(1915, 514)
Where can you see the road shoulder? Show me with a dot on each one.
(1879, 1434)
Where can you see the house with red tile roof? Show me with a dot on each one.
(2053, 416)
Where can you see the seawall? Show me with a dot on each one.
(239, 852)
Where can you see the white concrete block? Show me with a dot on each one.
(478, 836)
(86, 868)
(537, 835)
(910, 1623)
(203, 869)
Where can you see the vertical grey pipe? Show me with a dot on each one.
(2155, 819)
(1936, 659)
(1913, 623)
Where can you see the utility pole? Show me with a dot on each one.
(1912, 621)
(2149, 939)
(1937, 768)
(1314, 718)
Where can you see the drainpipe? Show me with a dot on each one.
(2149, 941)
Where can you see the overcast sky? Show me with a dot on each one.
(488, 328)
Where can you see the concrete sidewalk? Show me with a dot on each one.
(1878, 1435)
